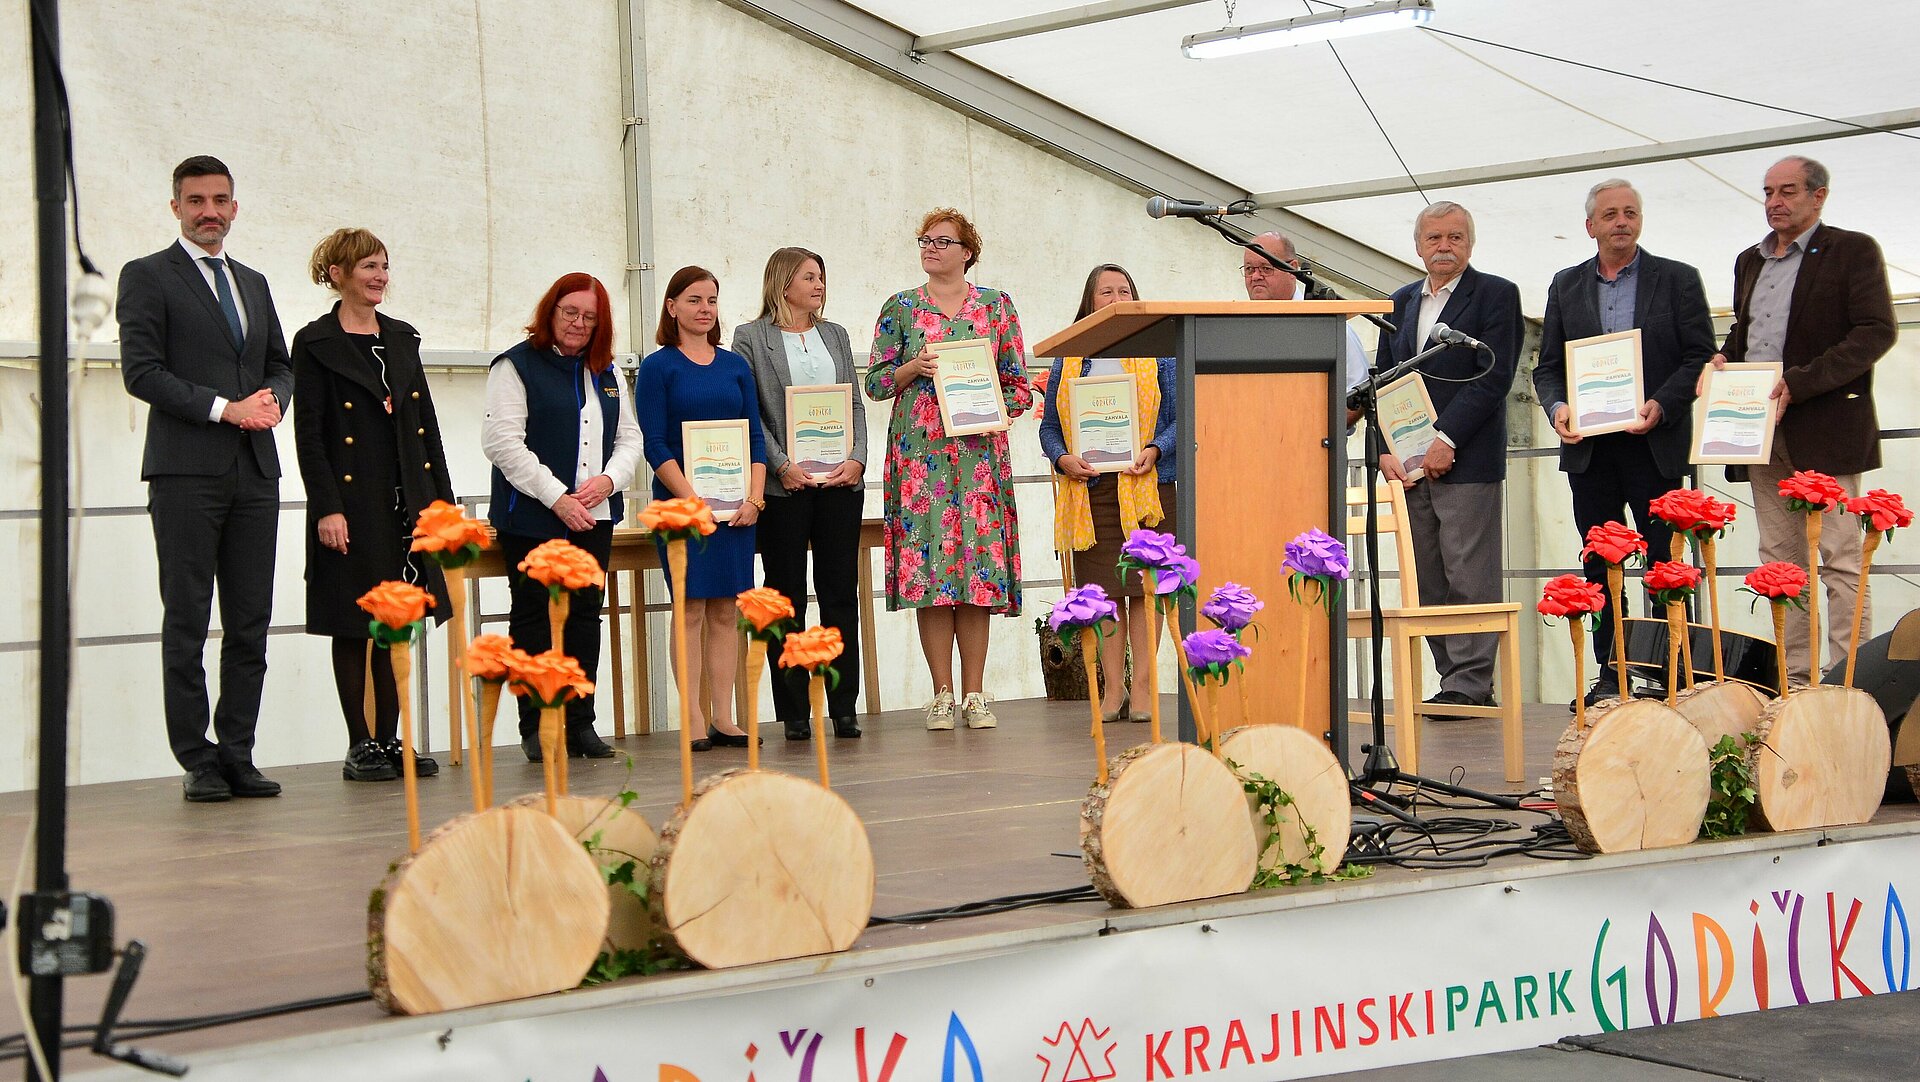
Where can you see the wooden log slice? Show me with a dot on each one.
(1637, 778)
(624, 834)
(497, 905)
(1300, 764)
(1823, 759)
(1723, 708)
(760, 866)
(1170, 825)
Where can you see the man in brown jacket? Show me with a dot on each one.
(1815, 299)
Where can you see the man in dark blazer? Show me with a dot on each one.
(1815, 299)
(1624, 287)
(1454, 510)
(201, 345)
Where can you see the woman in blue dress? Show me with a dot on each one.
(690, 378)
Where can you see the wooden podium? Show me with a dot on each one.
(1262, 415)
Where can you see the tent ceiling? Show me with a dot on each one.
(1289, 118)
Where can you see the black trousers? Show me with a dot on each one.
(207, 531)
(1620, 477)
(527, 620)
(827, 521)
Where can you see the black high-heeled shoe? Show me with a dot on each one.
(728, 740)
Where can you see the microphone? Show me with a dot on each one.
(1161, 207)
(1444, 333)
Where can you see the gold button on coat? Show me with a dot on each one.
(346, 405)
(348, 479)
(349, 441)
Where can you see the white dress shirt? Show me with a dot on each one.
(199, 256)
(1432, 303)
(503, 438)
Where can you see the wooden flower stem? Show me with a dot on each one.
(1685, 633)
(558, 609)
(677, 567)
(756, 661)
(1203, 722)
(402, 660)
(459, 708)
(1152, 659)
(1306, 629)
(817, 695)
(1212, 691)
(1617, 593)
(1815, 629)
(483, 748)
(1867, 546)
(1780, 642)
(1676, 631)
(553, 752)
(1579, 632)
(1713, 600)
(1089, 646)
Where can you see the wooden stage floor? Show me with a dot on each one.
(264, 901)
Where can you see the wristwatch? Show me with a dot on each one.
(759, 503)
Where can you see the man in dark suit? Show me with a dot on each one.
(1621, 288)
(1815, 299)
(1454, 511)
(201, 345)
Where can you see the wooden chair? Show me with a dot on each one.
(1406, 625)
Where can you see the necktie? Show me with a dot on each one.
(224, 290)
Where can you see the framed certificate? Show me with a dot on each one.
(1733, 417)
(1407, 420)
(1605, 388)
(967, 381)
(715, 456)
(819, 427)
(1106, 434)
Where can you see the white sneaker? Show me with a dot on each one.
(975, 712)
(940, 711)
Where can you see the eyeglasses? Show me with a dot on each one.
(575, 315)
(942, 243)
(1252, 270)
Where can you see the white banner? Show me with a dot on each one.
(1304, 991)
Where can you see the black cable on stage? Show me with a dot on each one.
(1864, 129)
(12, 1046)
(1004, 904)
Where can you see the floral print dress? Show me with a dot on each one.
(953, 536)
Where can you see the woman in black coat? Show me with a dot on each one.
(370, 456)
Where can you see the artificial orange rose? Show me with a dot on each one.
(1614, 542)
(488, 657)
(444, 530)
(762, 607)
(1812, 492)
(1779, 582)
(684, 517)
(397, 604)
(1571, 595)
(562, 565)
(813, 649)
(549, 678)
(1881, 510)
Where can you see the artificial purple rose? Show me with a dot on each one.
(1149, 548)
(1213, 650)
(1084, 607)
(1182, 572)
(1232, 607)
(1319, 555)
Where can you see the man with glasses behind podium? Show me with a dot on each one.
(1266, 282)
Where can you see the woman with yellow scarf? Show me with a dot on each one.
(1093, 512)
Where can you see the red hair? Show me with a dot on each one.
(600, 346)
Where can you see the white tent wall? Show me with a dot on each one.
(482, 143)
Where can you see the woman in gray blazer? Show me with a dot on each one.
(810, 506)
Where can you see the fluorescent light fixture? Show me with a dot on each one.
(1324, 26)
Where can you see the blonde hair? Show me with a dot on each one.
(341, 248)
(782, 266)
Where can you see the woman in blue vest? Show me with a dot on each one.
(690, 378)
(561, 434)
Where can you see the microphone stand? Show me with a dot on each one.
(1313, 288)
(1380, 767)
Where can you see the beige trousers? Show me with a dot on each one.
(1783, 536)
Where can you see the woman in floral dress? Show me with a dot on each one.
(953, 539)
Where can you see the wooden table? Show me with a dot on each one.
(634, 554)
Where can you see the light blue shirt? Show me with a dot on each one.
(1771, 303)
(808, 362)
(1618, 296)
